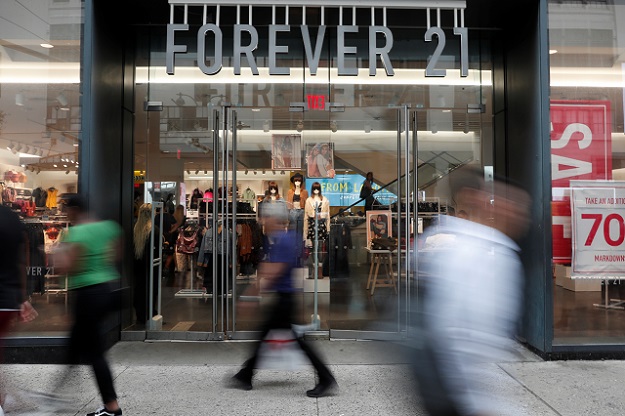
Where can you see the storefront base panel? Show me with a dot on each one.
(45, 350)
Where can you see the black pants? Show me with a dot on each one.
(222, 263)
(280, 317)
(92, 305)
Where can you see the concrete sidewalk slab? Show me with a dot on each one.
(191, 379)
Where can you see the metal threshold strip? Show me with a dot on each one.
(390, 4)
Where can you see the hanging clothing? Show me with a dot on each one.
(224, 261)
(248, 195)
(40, 196)
(51, 198)
(195, 199)
(339, 244)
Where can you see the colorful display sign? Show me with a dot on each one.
(598, 209)
(344, 190)
(581, 149)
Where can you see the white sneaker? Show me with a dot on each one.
(1, 411)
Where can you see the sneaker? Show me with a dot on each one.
(239, 381)
(322, 389)
(103, 412)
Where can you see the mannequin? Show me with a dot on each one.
(295, 200)
(316, 202)
(297, 195)
(272, 196)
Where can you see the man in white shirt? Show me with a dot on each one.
(473, 298)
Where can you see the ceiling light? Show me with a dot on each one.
(11, 147)
(367, 128)
(264, 172)
(46, 45)
(246, 171)
(188, 172)
(38, 171)
(283, 173)
(64, 166)
(19, 99)
(197, 171)
(67, 172)
(333, 126)
(55, 165)
(274, 172)
(266, 126)
(255, 173)
(553, 51)
(205, 172)
(300, 126)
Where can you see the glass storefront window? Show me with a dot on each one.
(587, 72)
(40, 138)
(352, 121)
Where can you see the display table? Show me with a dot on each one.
(381, 257)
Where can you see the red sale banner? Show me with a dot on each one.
(598, 209)
(581, 148)
(581, 141)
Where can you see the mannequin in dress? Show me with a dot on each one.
(295, 200)
(316, 202)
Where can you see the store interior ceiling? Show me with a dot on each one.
(40, 98)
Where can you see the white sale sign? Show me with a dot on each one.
(598, 210)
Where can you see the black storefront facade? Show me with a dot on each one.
(120, 41)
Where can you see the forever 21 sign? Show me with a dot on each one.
(313, 52)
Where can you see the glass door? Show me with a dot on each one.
(368, 257)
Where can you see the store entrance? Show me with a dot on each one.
(346, 286)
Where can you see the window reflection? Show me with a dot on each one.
(40, 124)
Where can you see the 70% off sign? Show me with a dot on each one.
(598, 209)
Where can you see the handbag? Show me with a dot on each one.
(187, 242)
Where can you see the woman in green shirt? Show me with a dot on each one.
(88, 254)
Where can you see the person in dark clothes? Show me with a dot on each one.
(366, 191)
(277, 272)
(14, 302)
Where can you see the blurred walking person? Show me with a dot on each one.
(14, 302)
(142, 262)
(276, 272)
(88, 253)
(472, 298)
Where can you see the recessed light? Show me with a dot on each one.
(553, 51)
(46, 45)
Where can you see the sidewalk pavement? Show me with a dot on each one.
(189, 378)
